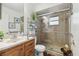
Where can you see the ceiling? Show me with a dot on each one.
(19, 7)
(15, 6)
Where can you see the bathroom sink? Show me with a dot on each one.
(15, 40)
(7, 43)
(2, 45)
(10, 40)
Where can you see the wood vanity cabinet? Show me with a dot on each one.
(24, 49)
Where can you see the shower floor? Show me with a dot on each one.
(54, 50)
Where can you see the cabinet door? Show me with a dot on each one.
(16, 51)
(29, 48)
(29, 51)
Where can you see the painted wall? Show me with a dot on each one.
(75, 28)
(28, 10)
(8, 15)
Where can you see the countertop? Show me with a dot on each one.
(6, 45)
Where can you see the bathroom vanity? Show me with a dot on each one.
(21, 48)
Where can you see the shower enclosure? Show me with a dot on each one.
(53, 27)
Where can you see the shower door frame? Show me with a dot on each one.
(59, 8)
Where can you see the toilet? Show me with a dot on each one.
(40, 49)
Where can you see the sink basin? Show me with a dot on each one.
(14, 40)
(10, 40)
(3, 45)
(8, 43)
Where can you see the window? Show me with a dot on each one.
(54, 21)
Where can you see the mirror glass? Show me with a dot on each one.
(12, 17)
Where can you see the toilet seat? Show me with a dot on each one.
(40, 48)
